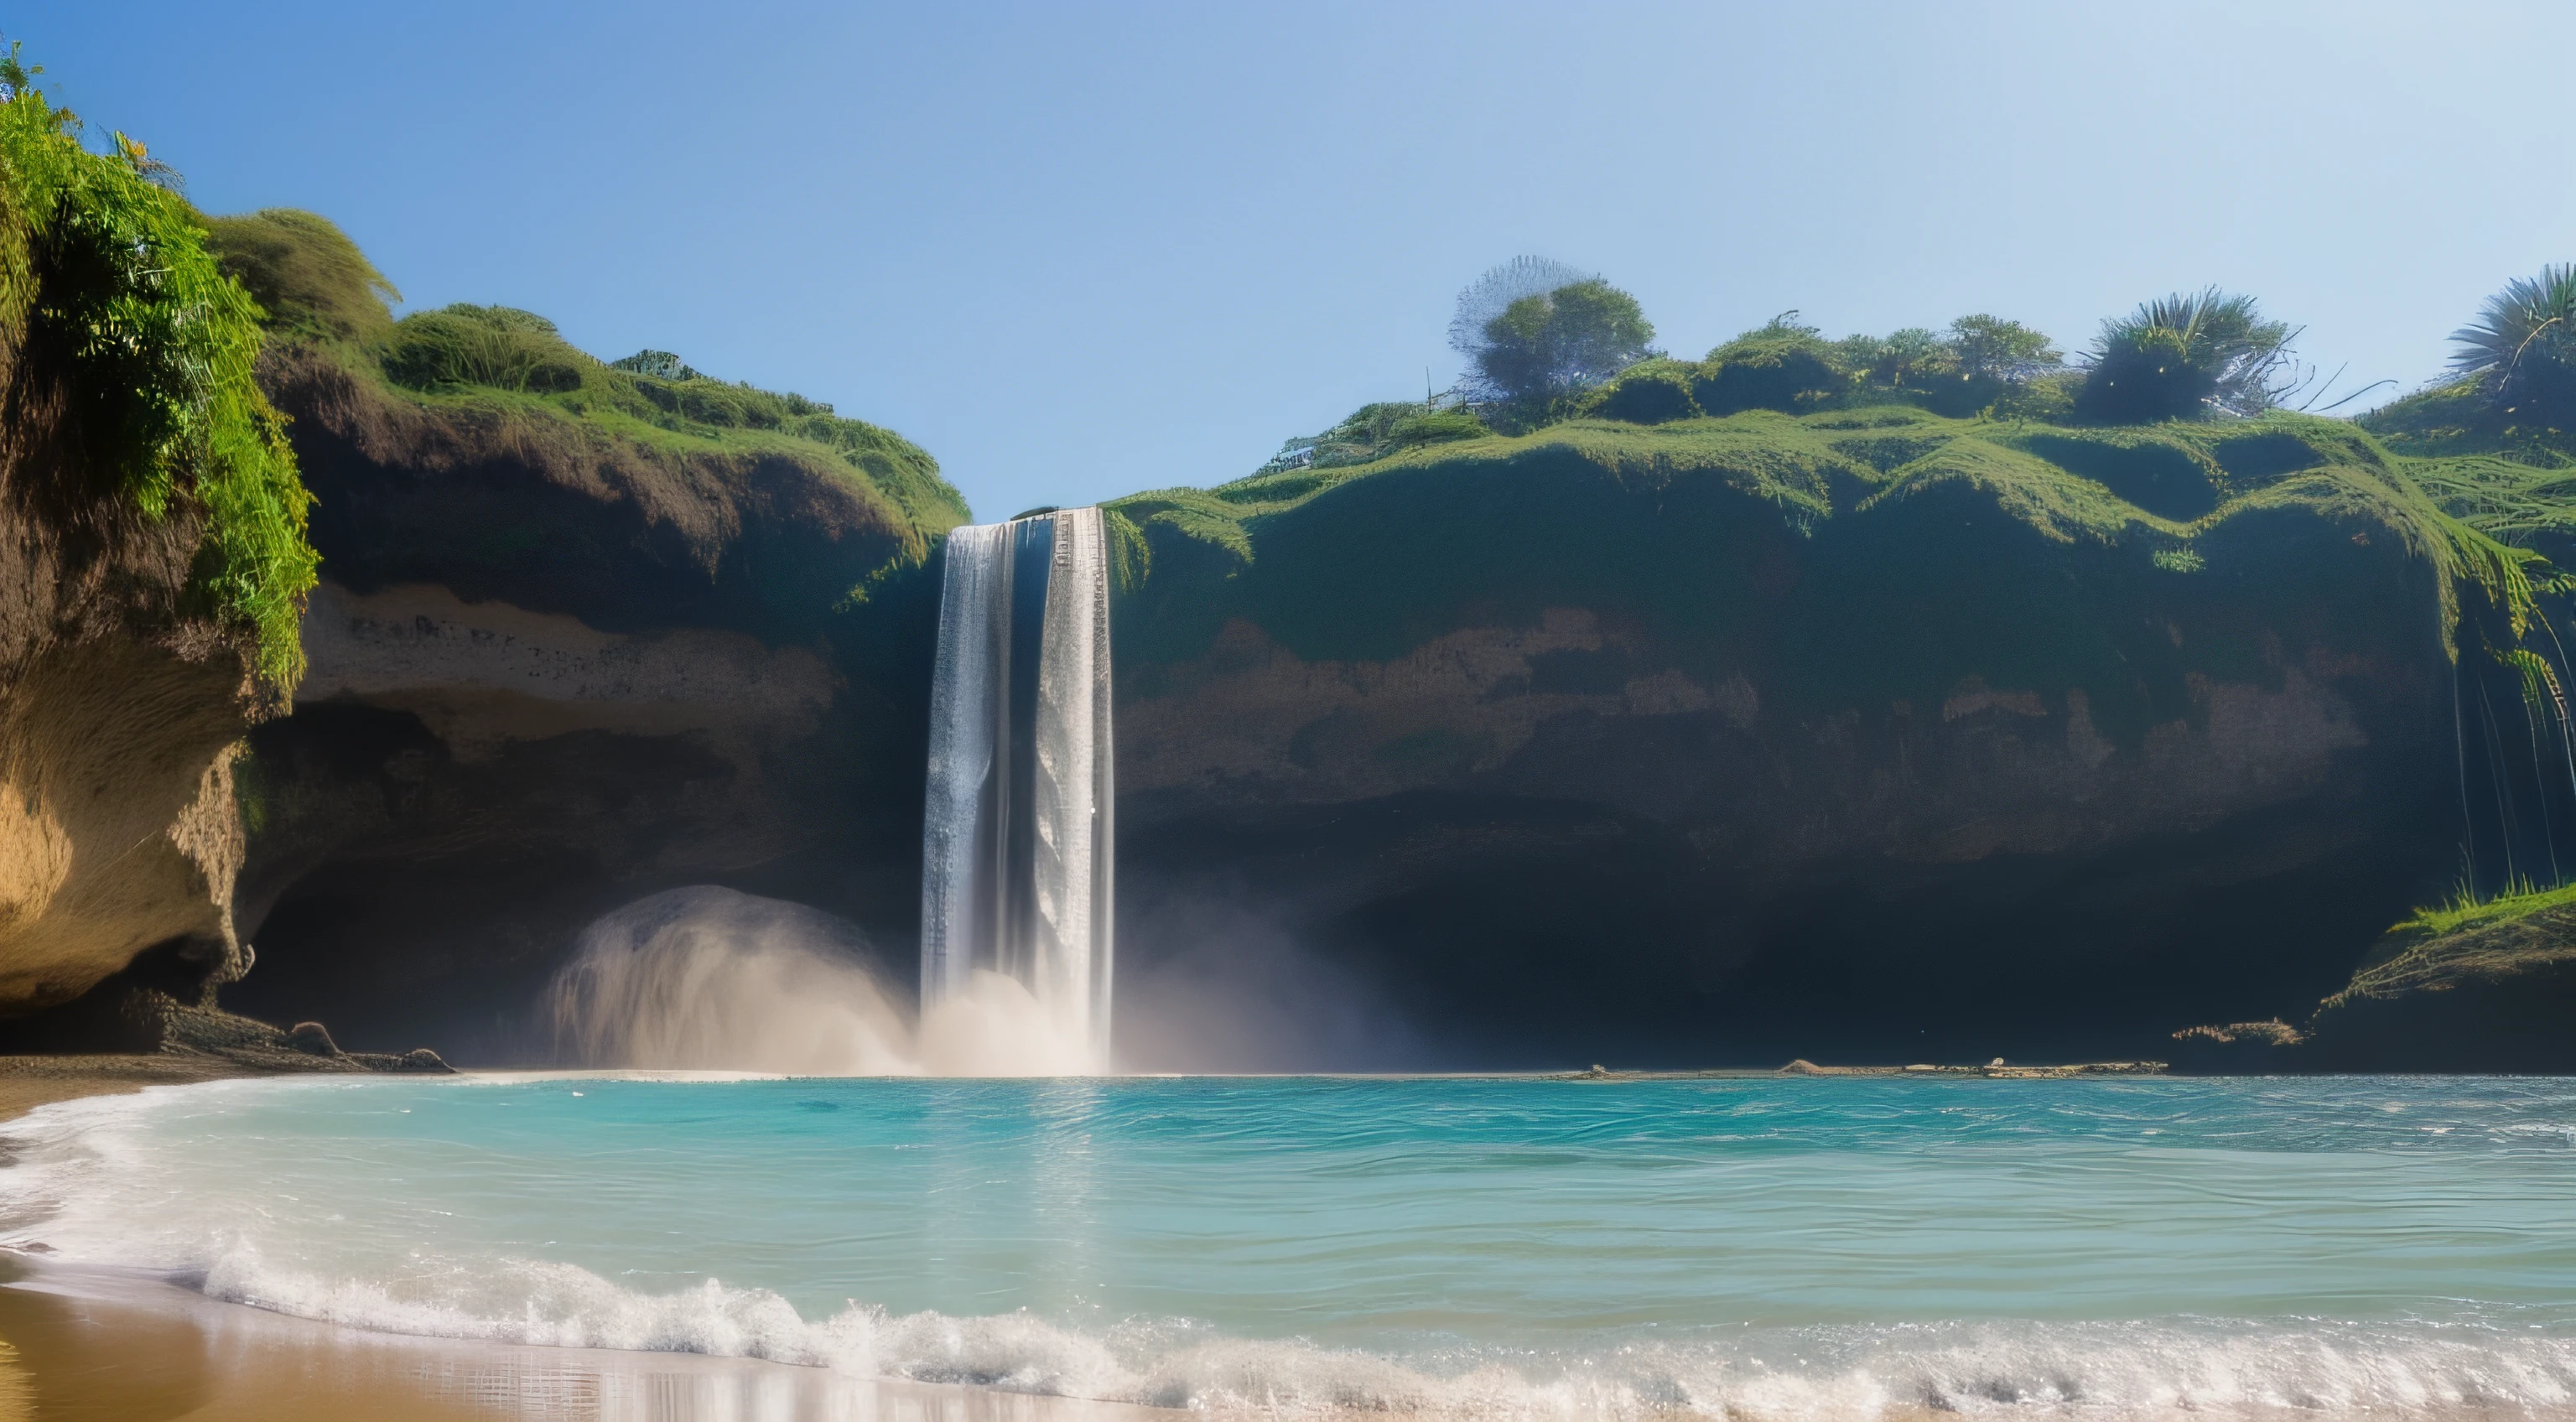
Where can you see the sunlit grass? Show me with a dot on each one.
(2467, 908)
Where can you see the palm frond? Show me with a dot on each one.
(2533, 317)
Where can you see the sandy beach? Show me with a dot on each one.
(29, 1082)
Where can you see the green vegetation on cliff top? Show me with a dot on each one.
(2157, 486)
(514, 368)
(2469, 940)
(136, 354)
(2465, 911)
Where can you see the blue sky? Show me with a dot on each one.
(1081, 252)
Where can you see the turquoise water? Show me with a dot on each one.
(1789, 1247)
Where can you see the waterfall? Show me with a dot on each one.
(1017, 851)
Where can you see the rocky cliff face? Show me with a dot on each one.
(554, 669)
(118, 724)
(1596, 747)
(150, 541)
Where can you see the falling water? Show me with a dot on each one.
(1017, 858)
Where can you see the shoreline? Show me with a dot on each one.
(84, 1342)
(27, 1082)
(139, 1348)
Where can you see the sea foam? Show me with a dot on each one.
(205, 1184)
(2199, 1369)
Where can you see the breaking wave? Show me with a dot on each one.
(2166, 1369)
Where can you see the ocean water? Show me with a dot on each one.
(1747, 1247)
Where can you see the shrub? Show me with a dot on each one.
(1779, 366)
(500, 347)
(1981, 363)
(516, 361)
(1372, 432)
(2185, 356)
(1908, 360)
(1489, 295)
(132, 338)
(2522, 348)
(1652, 393)
(305, 273)
(1991, 348)
(661, 365)
(2047, 399)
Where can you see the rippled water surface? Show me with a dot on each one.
(1800, 1247)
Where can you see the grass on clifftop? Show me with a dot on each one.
(513, 367)
(2465, 910)
(130, 341)
(2520, 930)
(515, 363)
(2161, 486)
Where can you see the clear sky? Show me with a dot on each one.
(1081, 251)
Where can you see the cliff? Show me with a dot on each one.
(584, 633)
(1865, 736)
(152, 565)
(2475, 987)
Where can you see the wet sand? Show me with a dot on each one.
(124, 1348)
(29, 1082)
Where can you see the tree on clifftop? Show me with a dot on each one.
(1992, 348)
(1537, 330)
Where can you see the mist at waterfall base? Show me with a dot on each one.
(709, 979)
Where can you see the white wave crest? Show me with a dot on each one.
(2199, 1370)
